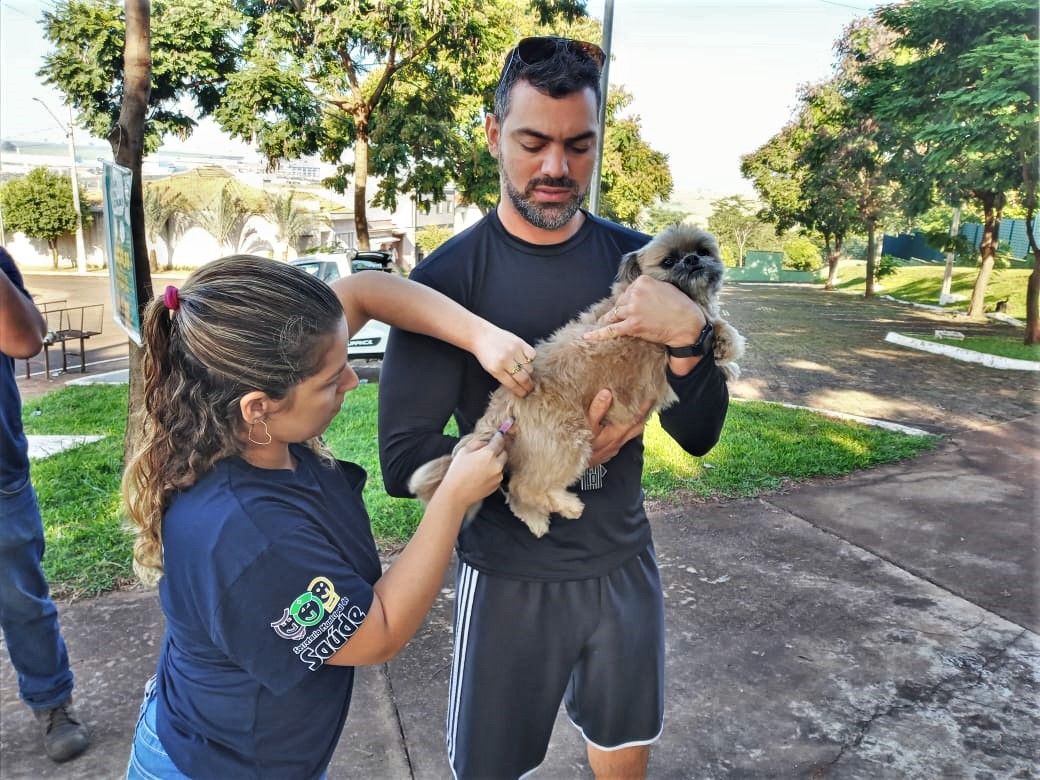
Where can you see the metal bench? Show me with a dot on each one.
(70, 323)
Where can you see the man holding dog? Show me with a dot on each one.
(576, 615)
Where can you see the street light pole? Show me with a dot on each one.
(597, 174)
(81, 244)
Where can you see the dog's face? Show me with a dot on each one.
(681, 255)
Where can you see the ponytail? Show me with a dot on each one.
(240, 324)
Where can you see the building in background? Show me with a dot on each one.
(192, 245)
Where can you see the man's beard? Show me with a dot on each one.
(547, 216)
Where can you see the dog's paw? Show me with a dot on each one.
(535, 518)
(729, 344)
(566, 504)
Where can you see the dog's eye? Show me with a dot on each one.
(669, 261)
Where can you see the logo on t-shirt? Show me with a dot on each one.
(319, 608)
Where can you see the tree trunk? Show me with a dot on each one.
(1032, 335)
(53, 244)
(833, 256)
(1033, 286)
(361, 184)
(871, 259)
(992, 206)
(127, 140)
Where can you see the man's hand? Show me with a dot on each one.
(653, 311)
(608, 439)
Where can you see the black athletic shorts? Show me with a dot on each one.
(522, 646)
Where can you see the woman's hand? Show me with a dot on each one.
(507, 358)
(475, 471)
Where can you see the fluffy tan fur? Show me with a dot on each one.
(550, 442)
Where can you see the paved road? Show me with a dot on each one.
(106, 352)
(827, 350)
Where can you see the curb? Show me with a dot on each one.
(43, 446)
(966, 355)
(890, 426)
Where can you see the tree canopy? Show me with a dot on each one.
(40, 205)
(962, 89)
(192, 53)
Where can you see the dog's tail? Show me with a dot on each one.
(428, 477)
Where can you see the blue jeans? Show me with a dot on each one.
(148, 758)
(27, 614)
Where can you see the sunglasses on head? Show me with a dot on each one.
(531, 51)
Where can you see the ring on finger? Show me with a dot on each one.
(516, 369)
(615, 314)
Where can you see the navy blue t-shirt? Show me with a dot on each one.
(267, 573)
(14, 449)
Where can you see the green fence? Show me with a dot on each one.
(768, 267)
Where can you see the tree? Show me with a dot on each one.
(797, 174)
(432, 236)
(40, 205)
(192, 52)
(289, 219)
(162, 208)
(132, 94)
(735, 224)
(226, 218)
(801, 254)
(633, 174)
(964, 91)
(392, 85)
(656, 218)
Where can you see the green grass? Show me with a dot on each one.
(763, 448)
(922, 283)
(991, 345)
(88, 550)
(766, 446)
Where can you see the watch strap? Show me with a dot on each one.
(699, 347)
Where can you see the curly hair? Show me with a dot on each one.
(243, 323)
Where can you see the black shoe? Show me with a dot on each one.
(64, 736)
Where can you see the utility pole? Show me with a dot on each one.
(81, 244)
(604, 85)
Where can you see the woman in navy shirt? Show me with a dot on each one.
(271, 585)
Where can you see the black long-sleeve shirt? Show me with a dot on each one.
(530, 290)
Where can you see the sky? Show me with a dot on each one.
(711, 81)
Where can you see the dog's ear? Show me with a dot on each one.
(629, 269)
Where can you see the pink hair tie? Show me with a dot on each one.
(171, 298)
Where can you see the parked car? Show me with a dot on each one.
(369, 343)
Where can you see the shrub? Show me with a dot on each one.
(432, 236)
(801, 254)
(886, 267)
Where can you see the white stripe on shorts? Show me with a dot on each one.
(464, 609)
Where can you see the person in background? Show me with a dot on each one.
(576, 615)
(28, 616)
(272, 587)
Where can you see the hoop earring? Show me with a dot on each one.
(267, 433)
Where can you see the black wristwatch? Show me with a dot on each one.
(702, 346)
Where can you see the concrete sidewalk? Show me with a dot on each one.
(878, 626)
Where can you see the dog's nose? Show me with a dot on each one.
(692, 262)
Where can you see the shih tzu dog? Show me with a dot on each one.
(549, 441)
